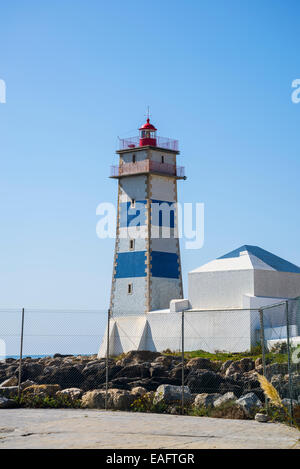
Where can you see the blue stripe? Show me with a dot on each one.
(164, 264)
(131, 264)
(157, 218)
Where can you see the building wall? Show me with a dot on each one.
(276, 284)
(219, 290)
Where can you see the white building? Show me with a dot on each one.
(221, 312)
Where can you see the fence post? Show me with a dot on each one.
(289, 357)
(21, 355)
(263, 348)
(182, 362)
(107, 356)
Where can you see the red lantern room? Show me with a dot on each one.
(148, 134)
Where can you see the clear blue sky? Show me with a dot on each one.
(217, 75)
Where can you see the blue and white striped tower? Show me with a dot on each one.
(147, 268)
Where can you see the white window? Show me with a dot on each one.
(130, 288)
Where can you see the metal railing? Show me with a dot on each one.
(147, 166)
(161, 142)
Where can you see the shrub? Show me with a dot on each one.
(36, 401)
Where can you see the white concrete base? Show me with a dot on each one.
(160, 330)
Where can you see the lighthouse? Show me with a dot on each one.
(146, 268)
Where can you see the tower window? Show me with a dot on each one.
(131, 244)
(162, 159)
(130, 289)
(132, 203)
(133, 158)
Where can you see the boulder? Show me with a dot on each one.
(246, 364)
(26, 384)
(158, 370)
(258, 363)
(206, 400)
(138, 391)
(140, 370)
(13, 381)
(229, 396)
(94, 399)
(120, 400)
(200, 364)
(249, 403)
(287, 402)
(7, 403)
(169, 394)
(204, 381)
(226, 365)
(72, 393)
(138, 356)
(66, 376)
(262, 418)
(9, 392)
(42, 390)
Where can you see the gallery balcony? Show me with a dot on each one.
(147, 166)
(138, 142)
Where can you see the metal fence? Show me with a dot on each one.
(211, 352)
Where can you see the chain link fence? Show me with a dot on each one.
(209, 354)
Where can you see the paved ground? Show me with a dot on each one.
(71, 428)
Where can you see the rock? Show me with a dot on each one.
(164, 360)
(31, 371)
(246, 364)
(204, 381)
(258, 362)
(59, 355)
(206, 400)
(94, 399)
(226, 365)
(169, 394)
(138, 356)
(9, 392)
(73, 393)
(7, 403)
(13, 381)
(42, 390)
(262, 418)
(134, 371)
(120, 400)
(138, 391)
(26, 384)
(66, 376)
(232, 369)
(249, 403)
(229, 396)
(158, 370)
(200, 364)
(176, 372)
(287, 402)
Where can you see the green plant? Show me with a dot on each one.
(146, 403)
(38, 401)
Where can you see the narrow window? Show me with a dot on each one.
(162, 159)
(131, 244)
(133, 158)
(132, 203)
(130, 288)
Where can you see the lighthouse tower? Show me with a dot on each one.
(147, 269)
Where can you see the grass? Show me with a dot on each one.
(221, 356)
